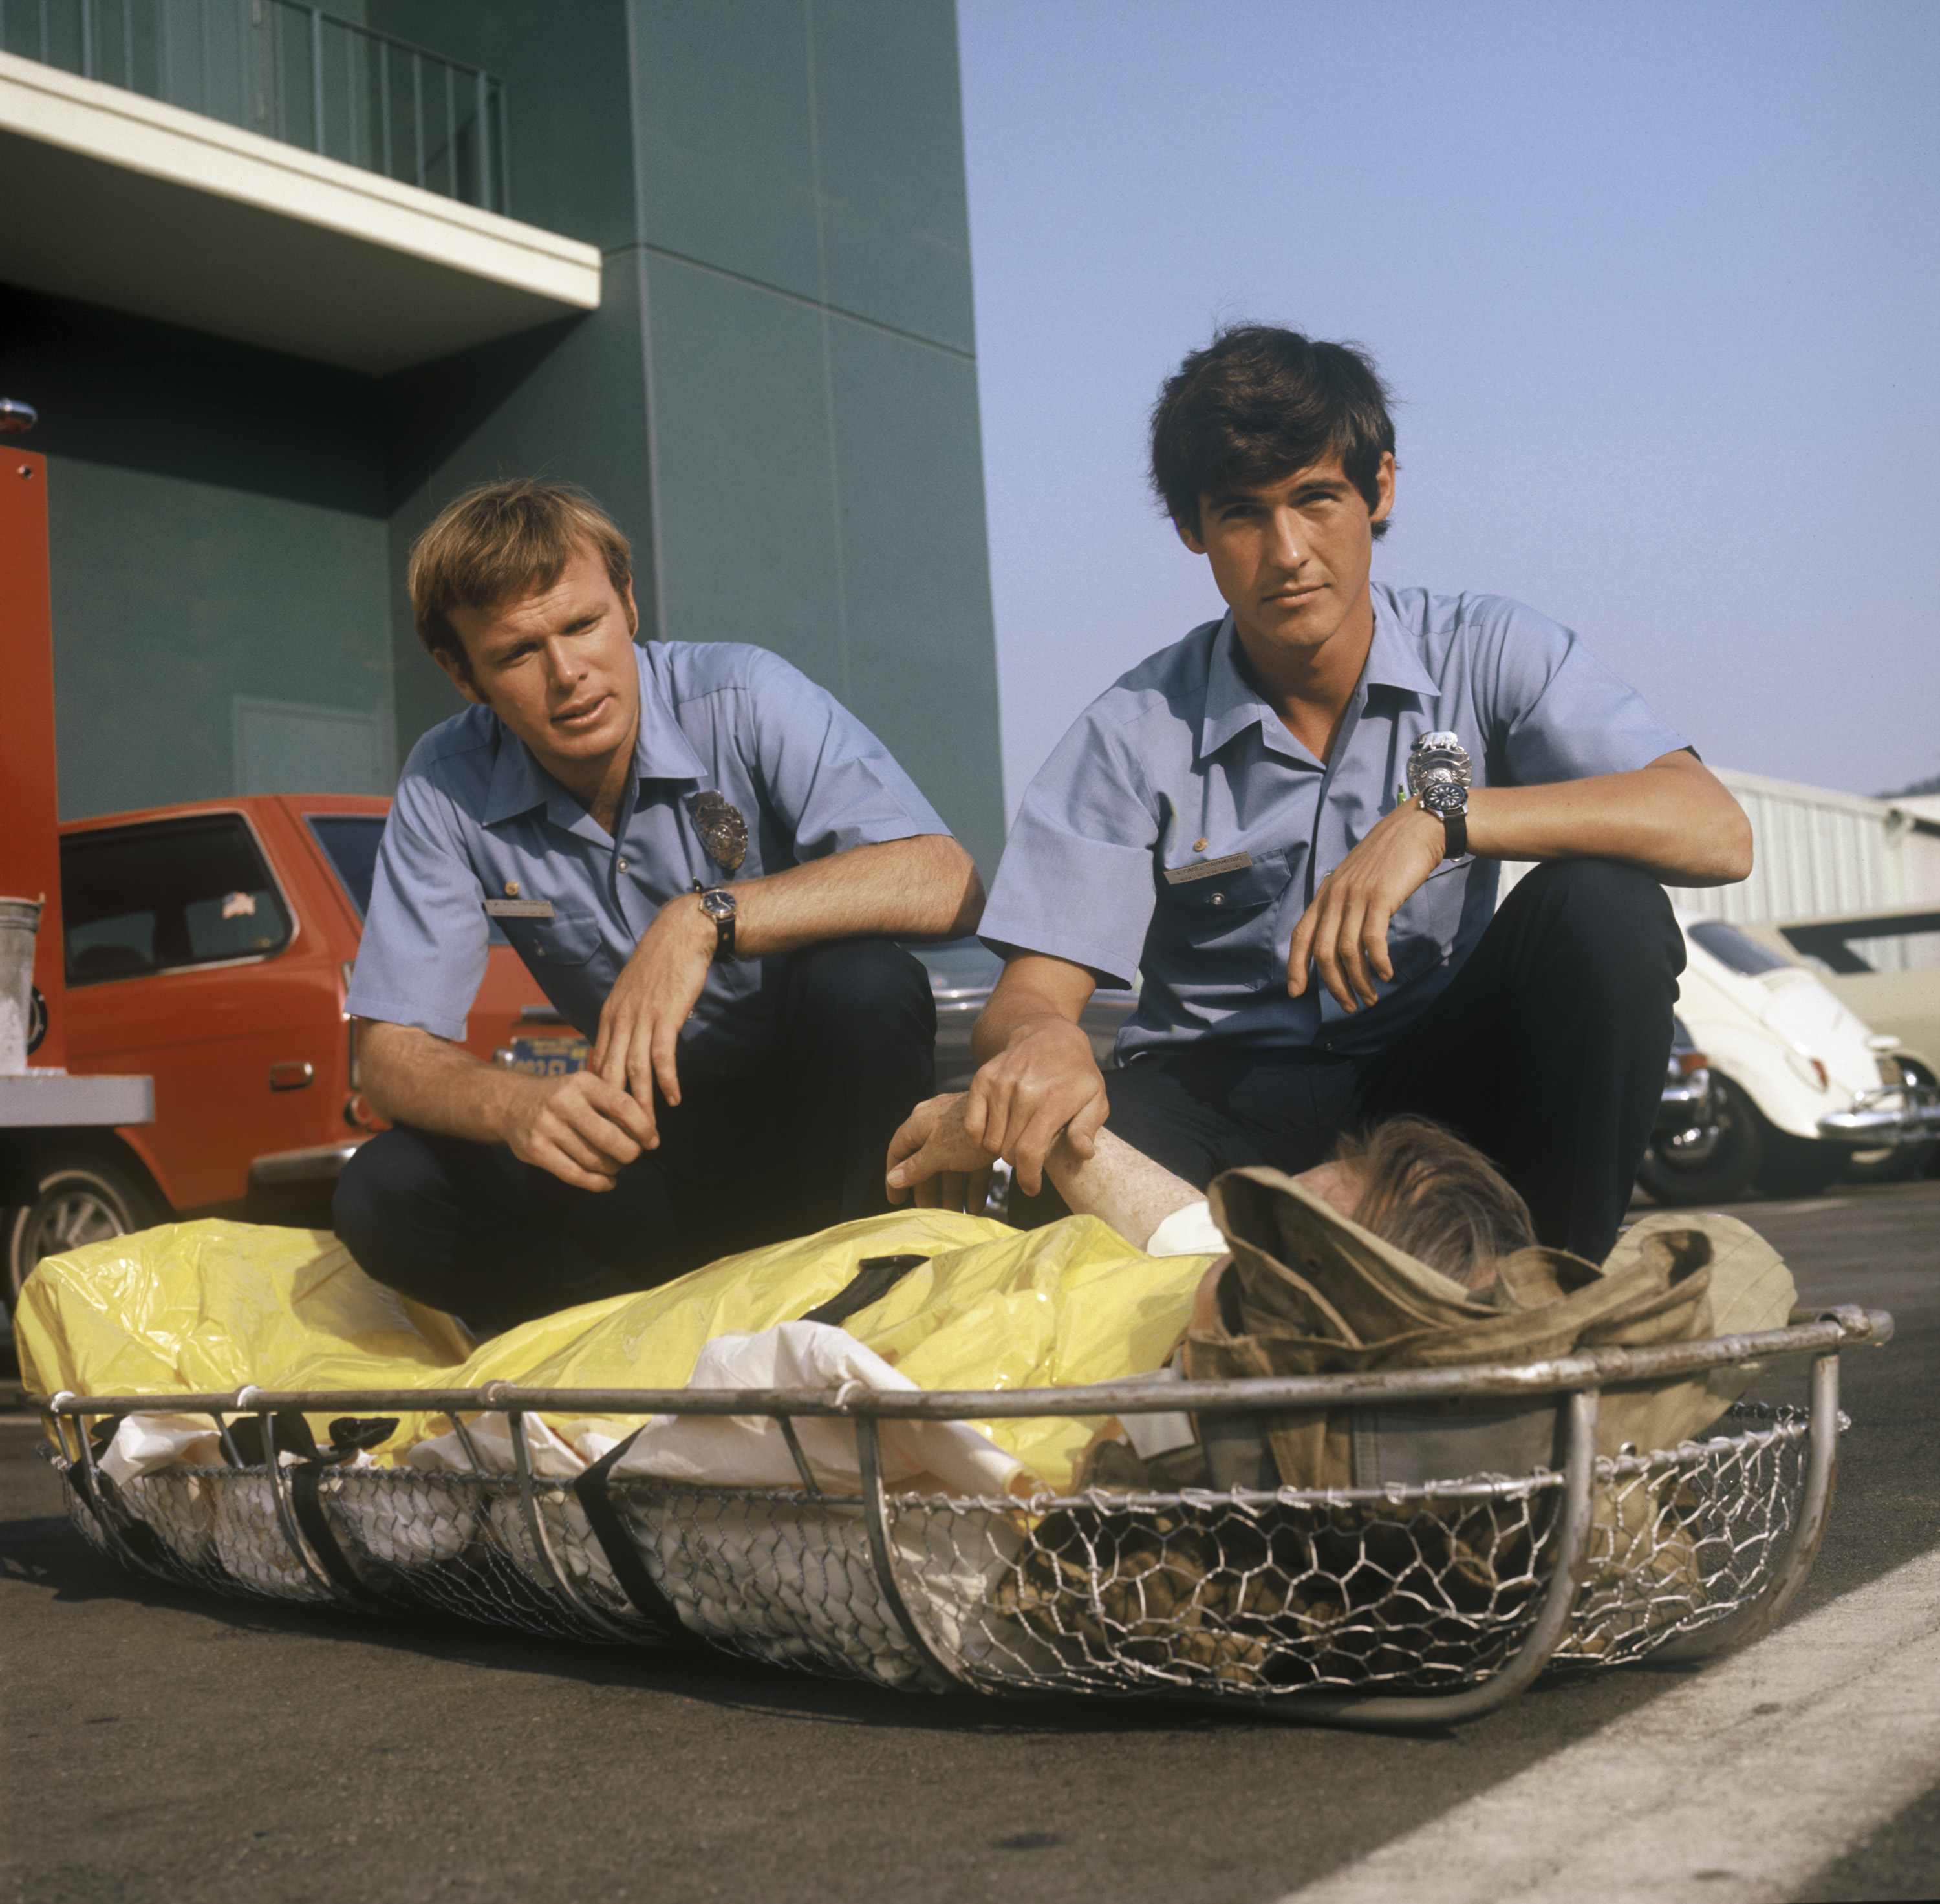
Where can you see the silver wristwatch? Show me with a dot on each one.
(719, 905)
(1437, 775)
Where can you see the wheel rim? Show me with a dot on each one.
(1692, 1150)
(70, 1219)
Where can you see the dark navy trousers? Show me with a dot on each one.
(742, 1162)
(1547, 1051)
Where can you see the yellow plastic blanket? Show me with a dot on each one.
(211, 1305)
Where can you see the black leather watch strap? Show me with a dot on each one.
(1450, 805)
(723, 922)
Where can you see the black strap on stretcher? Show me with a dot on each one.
(306, 1480)
(97, 1493)
(603, 1518)
(875, 1276)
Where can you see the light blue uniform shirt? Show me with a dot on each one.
(476, 817)
(1182, 750)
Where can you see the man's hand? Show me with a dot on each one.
(1044, 1085)
(579, 1127)
(1039, 1077)
(1344, 933)
(653, 998)
(933, 1157)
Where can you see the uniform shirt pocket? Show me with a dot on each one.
(565, 939)
(1217, 932)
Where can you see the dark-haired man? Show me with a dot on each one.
(1288, 824)
(703, 859)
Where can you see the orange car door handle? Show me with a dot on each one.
(289, 1078)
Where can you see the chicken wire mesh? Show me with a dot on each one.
(1255, 1594)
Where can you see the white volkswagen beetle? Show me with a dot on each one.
(1799, 1084)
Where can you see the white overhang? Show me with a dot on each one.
(116, 199)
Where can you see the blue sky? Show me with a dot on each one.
(1656, 285)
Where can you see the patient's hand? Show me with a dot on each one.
(931, 1155)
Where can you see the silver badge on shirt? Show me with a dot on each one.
(722, 830)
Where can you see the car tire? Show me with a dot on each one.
(1901, 1164)
(1798, 1166)
(1904, 1162)
(84, 1197)
(1721, 1173)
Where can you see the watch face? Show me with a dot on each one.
(717, 905)
(1442, 797)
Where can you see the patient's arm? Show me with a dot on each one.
(931, 1155)
(1120, 1185)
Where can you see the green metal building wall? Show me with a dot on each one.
(776, 400)
(218, 530)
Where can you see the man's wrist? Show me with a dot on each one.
(688, 928)
(1448, 840)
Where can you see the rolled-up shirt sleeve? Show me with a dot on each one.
(1560, 714)
(1076, 879)
(831, 780)
(425, 936)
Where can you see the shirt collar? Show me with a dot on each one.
(1233, 704)
(1393, 659)
(661, 752)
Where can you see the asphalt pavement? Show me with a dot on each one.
(161, 1745)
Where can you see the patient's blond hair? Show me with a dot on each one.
(1427, 1191)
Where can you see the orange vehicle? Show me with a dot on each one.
(210, 946)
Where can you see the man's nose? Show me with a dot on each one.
(564, 664)
(1286, 542)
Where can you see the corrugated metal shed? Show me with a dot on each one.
(1817, 853)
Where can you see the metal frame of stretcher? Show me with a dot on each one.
(1576, 1381)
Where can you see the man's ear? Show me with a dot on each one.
(1384, 481)
(633, 613)
(1189, 536)
(458, 672)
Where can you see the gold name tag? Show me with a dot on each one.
(1178, 875)
(519, 909)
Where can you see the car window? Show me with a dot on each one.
(350, 842)
(167, 893)
(1738, 951)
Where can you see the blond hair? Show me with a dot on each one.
(502, 541)
(1427, 1191)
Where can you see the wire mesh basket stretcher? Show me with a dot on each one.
(1390, 1607)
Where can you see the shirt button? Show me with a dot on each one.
(1218, 899)
(511, 889)
(1199, 846)
(623, 866)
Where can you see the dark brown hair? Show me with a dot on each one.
(1258, 402)
(1438, 1198)
(501, 541)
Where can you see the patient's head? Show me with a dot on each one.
(1421, 1188)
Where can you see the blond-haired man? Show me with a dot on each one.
(704, 860)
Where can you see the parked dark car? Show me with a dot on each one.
(962, 972)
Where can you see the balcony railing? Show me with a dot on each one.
(291, 71)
